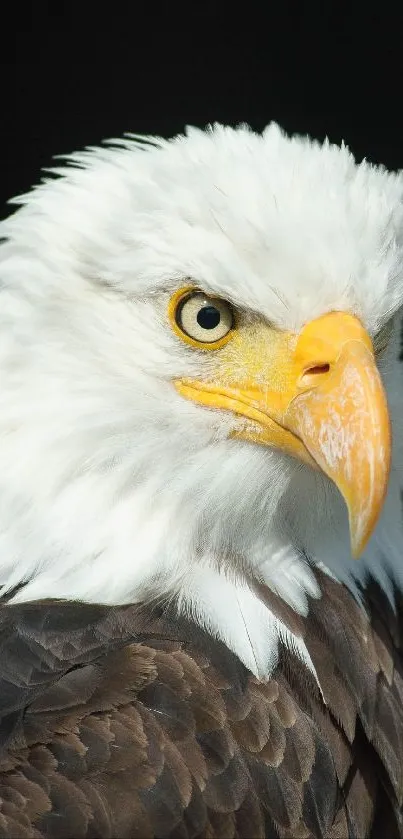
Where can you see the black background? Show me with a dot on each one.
(73, 75)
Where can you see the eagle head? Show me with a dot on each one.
(200, 380)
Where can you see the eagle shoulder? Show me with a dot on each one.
(125, 721)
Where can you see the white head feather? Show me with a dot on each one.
(113, 487)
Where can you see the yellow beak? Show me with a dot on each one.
(318, 396)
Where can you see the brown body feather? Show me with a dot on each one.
(124, 722)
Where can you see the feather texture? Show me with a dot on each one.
(125, 721)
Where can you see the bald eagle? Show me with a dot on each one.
(200, 383)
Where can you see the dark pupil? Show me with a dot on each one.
(208, 317)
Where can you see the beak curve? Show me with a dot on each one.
(344, 425)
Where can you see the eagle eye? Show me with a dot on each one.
(200, 319)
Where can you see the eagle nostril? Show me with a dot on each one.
(311, 373)
(317, 369)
